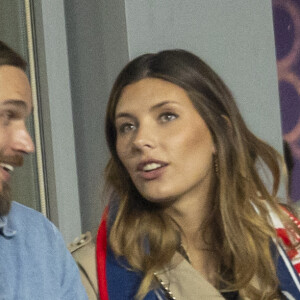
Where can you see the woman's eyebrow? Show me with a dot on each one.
(154, 107)
(163, 103)
(123, 115)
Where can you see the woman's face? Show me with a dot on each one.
(162, 141)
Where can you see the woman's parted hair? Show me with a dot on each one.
(241, 235)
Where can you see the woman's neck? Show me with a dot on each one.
(189, 214)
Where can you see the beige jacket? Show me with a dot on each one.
(83, 251)
(184, 282)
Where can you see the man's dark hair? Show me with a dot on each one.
(10, 57)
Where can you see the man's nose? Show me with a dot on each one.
(22, 141)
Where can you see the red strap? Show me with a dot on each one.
(101, 256)
(292, 217)
(295, 220)
(281, 232)
(289, 239)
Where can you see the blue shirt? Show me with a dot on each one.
(34, 261)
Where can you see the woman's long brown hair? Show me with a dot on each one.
(239, 218)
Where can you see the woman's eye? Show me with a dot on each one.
(167, 117)
(127, 127)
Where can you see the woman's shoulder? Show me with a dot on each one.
(83, 250)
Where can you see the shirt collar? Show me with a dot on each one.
(5, 229)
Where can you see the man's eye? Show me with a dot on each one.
(167, 117)
(6, 116)
(126, 127)
(9, 114)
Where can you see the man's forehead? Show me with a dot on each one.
(15, 88)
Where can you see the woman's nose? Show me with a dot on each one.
(144, 138)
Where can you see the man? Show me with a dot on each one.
(34, 262)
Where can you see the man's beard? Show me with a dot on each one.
(5, 194)
(5, 199)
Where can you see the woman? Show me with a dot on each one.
(189, 217)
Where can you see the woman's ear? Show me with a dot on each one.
(214, 150)
(227, 121)
(228, 124)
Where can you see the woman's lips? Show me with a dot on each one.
(151, 170)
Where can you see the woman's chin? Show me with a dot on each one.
(158, 199)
